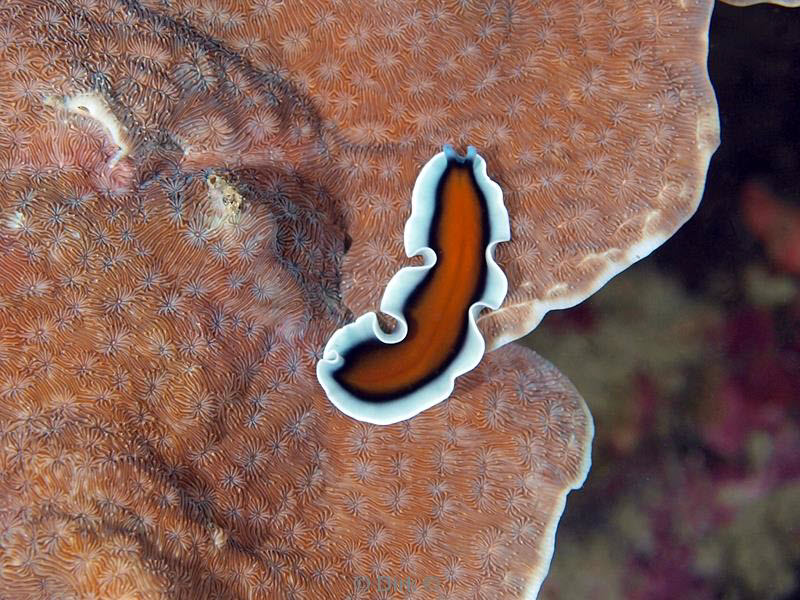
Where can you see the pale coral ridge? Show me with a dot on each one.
(175, 219)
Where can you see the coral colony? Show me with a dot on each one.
(199, 199)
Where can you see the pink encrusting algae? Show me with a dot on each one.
(195, 197)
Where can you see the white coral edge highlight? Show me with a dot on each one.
(548, 543)
(94, 106)
(619, 259)
(403, 283)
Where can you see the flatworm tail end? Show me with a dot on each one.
(457, 219)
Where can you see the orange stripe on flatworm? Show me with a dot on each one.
(437, 310)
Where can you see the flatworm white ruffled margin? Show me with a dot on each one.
(403, 283)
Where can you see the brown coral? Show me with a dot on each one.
(190, 201)
(598, 120)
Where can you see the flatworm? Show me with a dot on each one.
(457, 219)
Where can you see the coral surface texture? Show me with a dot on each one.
(195, 194)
